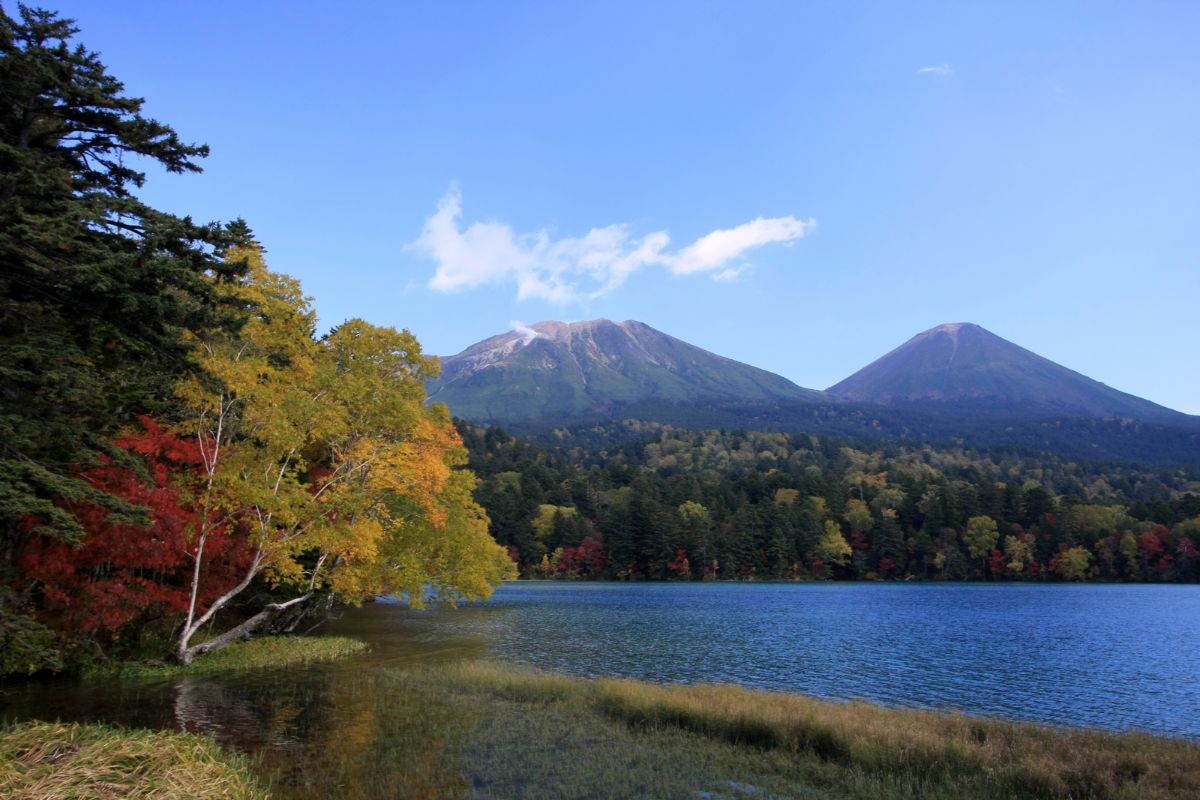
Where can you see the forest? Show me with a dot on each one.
(661, 503)
(184, 461)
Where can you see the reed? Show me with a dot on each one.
(47, 759)
(885, 752)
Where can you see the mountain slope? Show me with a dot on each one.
(574, 370)
(962, 364)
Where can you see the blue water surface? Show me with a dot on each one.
(1119, 657)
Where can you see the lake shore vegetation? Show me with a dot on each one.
(796, 746)
(268, 652)
(50, 759)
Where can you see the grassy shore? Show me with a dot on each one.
(46, 759)
(727, 741)
(265, 652)
(481, 729)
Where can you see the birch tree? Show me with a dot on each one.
(323, 454)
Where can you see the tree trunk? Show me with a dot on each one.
(244, 631)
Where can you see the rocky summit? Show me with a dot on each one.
(572, 370)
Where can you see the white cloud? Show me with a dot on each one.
(520, 327)
(730, 274)
(939, 69)
(720, 247)
(583, 267)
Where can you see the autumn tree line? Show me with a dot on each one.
(184, 461)
(673, 504)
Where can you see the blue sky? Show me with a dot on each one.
(801, 186)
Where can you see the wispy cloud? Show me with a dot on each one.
(520, 327)
(941, 70)
(730, 274)
(579, 267)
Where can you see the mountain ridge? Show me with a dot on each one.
(556, 376)
(963, 363)
(595, 366)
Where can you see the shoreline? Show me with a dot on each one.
(856, 747)
(512, 731)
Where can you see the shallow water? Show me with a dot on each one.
(1117, 657)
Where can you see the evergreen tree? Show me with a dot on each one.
(97, 289)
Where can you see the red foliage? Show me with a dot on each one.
(996, 563)
(858, 541)
(1155, 547)
(679, 568)
(1150, 545)
(887, 565)
(587, 559)
(122, 570)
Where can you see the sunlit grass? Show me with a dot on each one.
(863, 750)
(51, 760)
(264, 652)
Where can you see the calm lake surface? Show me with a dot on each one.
(1117, 657)
(1106, 656)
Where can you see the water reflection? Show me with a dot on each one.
(359, 728)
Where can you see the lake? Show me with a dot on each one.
(1125, 656)
(1116, 657)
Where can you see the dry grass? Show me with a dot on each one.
(1034, 760)
(265, 652)
(884, 751)
(41, 760)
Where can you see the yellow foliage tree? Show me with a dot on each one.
(833, 546)
(543, 520)
(325, 454)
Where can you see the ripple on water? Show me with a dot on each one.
(1107, 656)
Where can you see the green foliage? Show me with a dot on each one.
(26, 645)
(269, 652)
(731, 503)
(981, 536)
(95, 286)
(1074, 563)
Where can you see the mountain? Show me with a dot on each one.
(571, 371)
(964, 366)
(599, 382)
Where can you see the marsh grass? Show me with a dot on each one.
(862, 750)
(53, 760)
(265, 652)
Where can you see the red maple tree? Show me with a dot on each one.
(121, 569)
